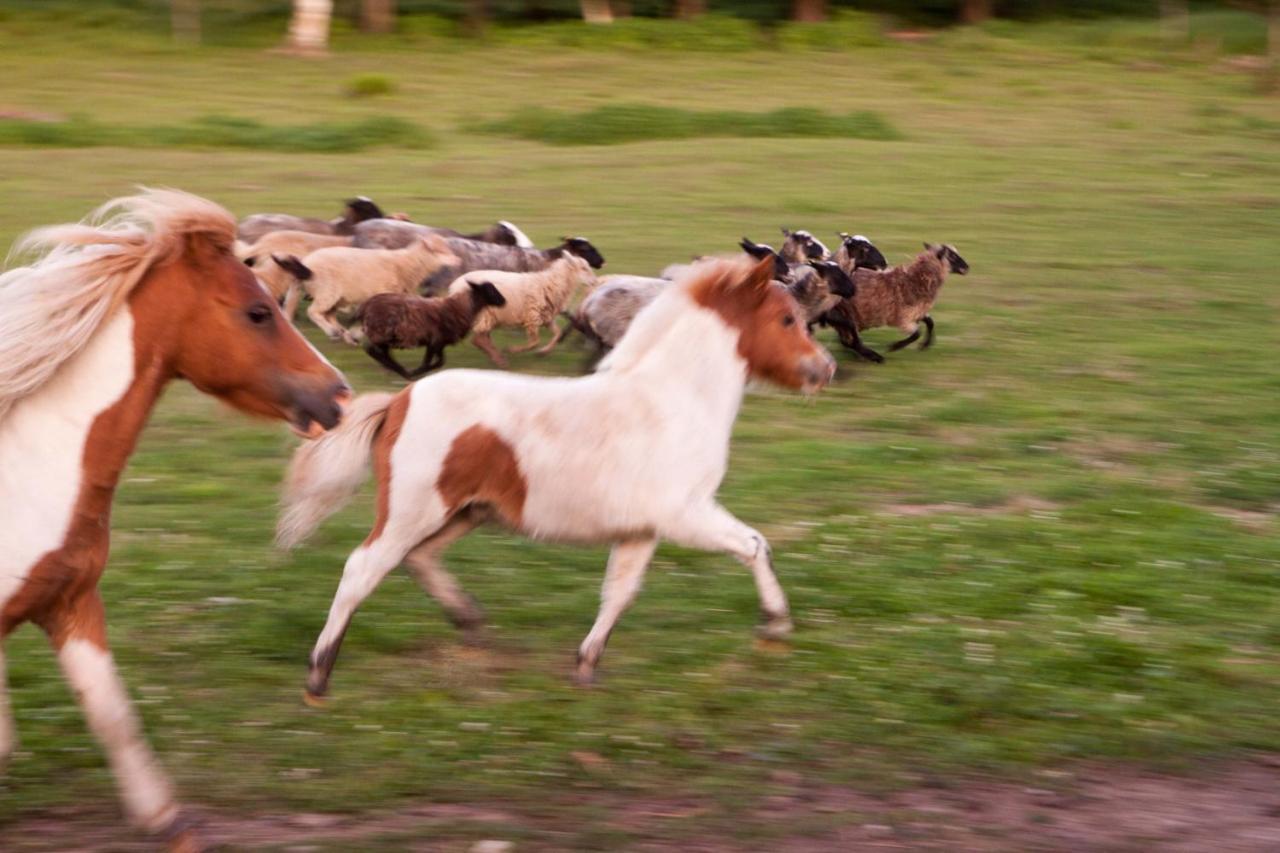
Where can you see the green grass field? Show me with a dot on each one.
(1051, 538)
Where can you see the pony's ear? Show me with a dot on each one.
(931, 247)
(760, 278)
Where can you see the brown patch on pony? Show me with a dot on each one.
(481, 468)
(772, 337)
(383, 442)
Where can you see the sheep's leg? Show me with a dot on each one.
(557, 337)
(627, 563)
(292, 297)
(323, 316)
(485, 343)
(431, 359)
(849, 337)
(533, 336)
(383, 356)
(907, 341)
(424, 563)
(928, 336)
(713, 528)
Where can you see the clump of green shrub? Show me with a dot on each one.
(620, 123)
(216, 132)
(369, 85)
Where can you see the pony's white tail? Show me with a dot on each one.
(325, 473)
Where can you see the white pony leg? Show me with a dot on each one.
(713, 528)
(147, 795)
(424, 564)
(627, 563)
(8, 738)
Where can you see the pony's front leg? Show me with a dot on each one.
(713, 528)
(79, 634)
(627, 563)
(424, 563)
(8, 737)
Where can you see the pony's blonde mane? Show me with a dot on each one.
(661, 317)
(50, 308)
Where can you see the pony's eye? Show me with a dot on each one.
(259, 314)
(789, 320)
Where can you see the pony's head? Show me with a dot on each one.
(772, 337)
(210, 320)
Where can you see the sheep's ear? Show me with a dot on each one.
(785, 232)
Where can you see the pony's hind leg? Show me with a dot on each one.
(79, 634)
(365, 569)
(713, 528)
(627, 563)
(424, 563)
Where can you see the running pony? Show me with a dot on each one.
(90, 333)
(629, 455)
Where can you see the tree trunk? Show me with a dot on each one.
(597, 12)
(184, 17)
(809, 11)
(309, 27)
(1175, 20)
(477, 17)
(377, 16)
(620, 8)
(975, 11)
(687, 10)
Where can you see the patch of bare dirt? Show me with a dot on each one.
(1227, 808)
(1019, 505)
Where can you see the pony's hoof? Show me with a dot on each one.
(185, 841)
(314, 700)
(584, 676)
(764, 645)
(777, 629)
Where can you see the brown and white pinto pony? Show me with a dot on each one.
(629, 455)
(90, 333)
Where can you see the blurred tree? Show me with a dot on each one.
(689, 9)
(809, 10)
(597, 12)
(1176, 19)
(975, 11)
(309, 26)
(184, 17)
(377, 16)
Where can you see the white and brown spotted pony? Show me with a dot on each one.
(629, 455)
(90, 333)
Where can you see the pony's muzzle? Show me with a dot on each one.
(317, 411)
(818, 370)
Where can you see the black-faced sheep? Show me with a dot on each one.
(474, 255)
(901, 297)
(816, 285)
(252, 228)
(800, 247)
(857, 252)
(392, 234)
(343, 278)
(406, 321)
(533, 301)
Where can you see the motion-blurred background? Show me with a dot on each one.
(1033, 568)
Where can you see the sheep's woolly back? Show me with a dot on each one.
(52, 307)
(899, 296)
(533, 297)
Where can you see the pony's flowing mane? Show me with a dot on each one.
(660, 317)
(52, 307)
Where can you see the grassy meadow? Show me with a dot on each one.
(1051, 538)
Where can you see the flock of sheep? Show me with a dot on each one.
(371, 268)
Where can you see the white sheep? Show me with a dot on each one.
(341, 277)
(533, 301)
(279, 281)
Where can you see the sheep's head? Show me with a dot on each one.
(760, 251)
(863, 252)
(484, 293)
(581, 247)
(949, 256)
(361, 208)
(838, 281)
(580, 272)
(805, 245)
